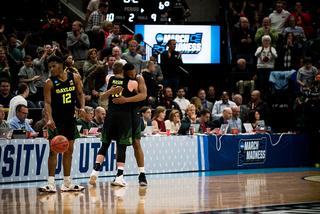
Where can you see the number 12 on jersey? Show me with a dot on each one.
(66, 98)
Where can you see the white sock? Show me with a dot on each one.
(51, 179)
(141, 169)
(121, 168)
(66, 178)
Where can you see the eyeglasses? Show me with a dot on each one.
(24, 113)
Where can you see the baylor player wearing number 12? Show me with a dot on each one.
(60, 92)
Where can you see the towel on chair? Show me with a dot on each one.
(280, 78)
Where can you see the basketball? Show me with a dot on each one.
(59, 144)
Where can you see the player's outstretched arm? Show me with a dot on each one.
(47, 90)
(141, 94)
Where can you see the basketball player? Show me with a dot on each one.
(118, 125)
(129, 71)
(60, 92)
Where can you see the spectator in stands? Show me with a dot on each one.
(235, 121)
(220, 105)
(96, 38)
(106, 29)
(243, 76)
(299, 36)
(38, 127)
(5, 94)
(90, 64)
(19, 121)
(212, 94)
(158, 119)
(167, 101)
(51, 35)
(27, 75)
(140, 48)
(243, 109)
(3, 122)
(40, 66)
(204, 119)
(14, 50)
(132, 56)
(23, 91)
(97, 80)
(191, 116)
(108, 51)
(236, 9)
(69, 64)
(78, 43)
(88, 100)
(254, 117)
(145, 117)
(255, 22)
(85, 121)
(173, 123)
(170, 62)
(288, 57)
(266, 30)
(197, 103)
(218, 121)
(259, 105)
(92, 6)
(117, 53)
(6, 63)
(303, 19)
(181, 100)
(116, 33)
(151, 83)
(243, 41)
(278, 18)
(205, 103)
(96, 17)
(98, 119)
(266, 55)
(307, 73)
(158, 72)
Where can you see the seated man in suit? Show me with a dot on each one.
(19, 121)
(216, 123)
(145, 118)
(191, 115)
(205, 103)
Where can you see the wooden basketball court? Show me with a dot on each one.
(245, 191)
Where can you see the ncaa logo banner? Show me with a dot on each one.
(199, 44)
(252, 151)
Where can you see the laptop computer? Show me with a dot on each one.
(184, 128)
(223, 128)
(248, 127)
(93, 130)
(196, 127)
(19, 134)
(148, 130)
(4, 132)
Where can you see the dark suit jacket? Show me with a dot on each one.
(216, 123)
(142, 123)
(99, 75)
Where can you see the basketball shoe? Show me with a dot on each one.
(119, 181)
(48, 187)
(70, 186)
(93, 177)
(143, 179)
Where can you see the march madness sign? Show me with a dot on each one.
(252, 151)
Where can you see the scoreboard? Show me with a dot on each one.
(137, 11)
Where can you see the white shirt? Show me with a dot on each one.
(182, 103)
(14, 102)
(218, 108)
(278, 20)
(170, 125)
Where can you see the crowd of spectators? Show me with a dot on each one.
(263, 41)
